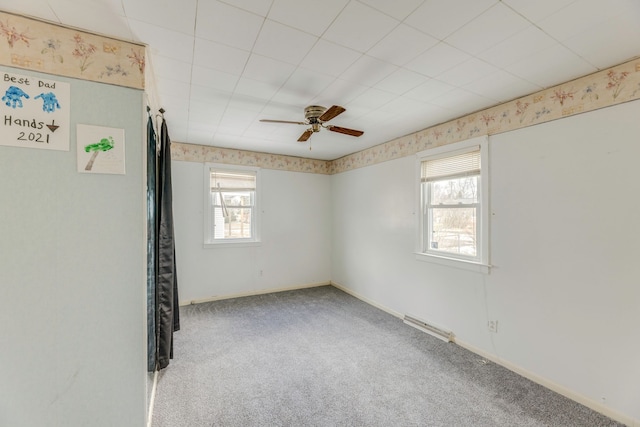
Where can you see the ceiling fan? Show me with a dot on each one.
(316, 117)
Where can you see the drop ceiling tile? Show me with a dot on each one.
(220, 57)
(551, 67)
(502, 86)
(178, 110)
(437, 60)
(255, 88)
(401, 81)
(228, 25)
(225, 139)
(177, 16)
(492, 27)
(397, 10)
(177, 130)
(432, 115)
(605, 44)
(518, 47)
(359, 27)
(461, 101)
(258, 7)
(339, 92)
(200, 138)
(36, 8)
(287, 132)
(419, 118)
(202, 112)
(168, 43)
(402, 106)
(358, 112)
(178, 134)
(429, 90)
(402, 45)
(372, 98)
(330, 58)
(581, 16)
(96, 17)
(440, 18)
(537, 10)
(283, 43)
(216, 79)
(171, 69)
(246, 103)
(297, 13)
(202, 127)
(282, 112)
(116, 6)
(208, 98)
(175, 117)
(368, 71)
(260, 130)
(268, 70)
(302, 87)
(468, 71)
(237, 119)
(172, 88)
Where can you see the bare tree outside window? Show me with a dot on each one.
(453, 213)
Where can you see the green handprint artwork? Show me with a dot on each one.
(105, 144)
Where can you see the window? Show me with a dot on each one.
(453, 203)
(231, 204)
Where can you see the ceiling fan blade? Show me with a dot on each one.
(306, 135)
(331, 113)
(346, 131)
(283, 121)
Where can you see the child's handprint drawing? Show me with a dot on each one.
(49, 102)
(12, 97)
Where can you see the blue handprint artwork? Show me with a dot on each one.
(49, 102)
(12, 97)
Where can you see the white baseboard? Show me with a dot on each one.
(251, 293)
(545, 382)
(589, 403)
(367, 300)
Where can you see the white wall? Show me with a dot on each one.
(72, 341)
(295, 231)
(564, 245)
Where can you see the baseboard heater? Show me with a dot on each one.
(436, 331)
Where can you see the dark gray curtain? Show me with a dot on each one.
(152, 249)
(167, 311)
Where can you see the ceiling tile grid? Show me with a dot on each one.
(397, 67)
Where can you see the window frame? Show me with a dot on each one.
(254, 240)
(479, 263)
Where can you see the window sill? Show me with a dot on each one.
(232, 244)
(454, 262)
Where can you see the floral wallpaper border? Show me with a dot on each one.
(602, 89)
(598, 90)
(54, 49)
(203, 154)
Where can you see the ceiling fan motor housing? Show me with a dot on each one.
(312, 113)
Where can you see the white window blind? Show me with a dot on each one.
(463, 164)
(232, 181)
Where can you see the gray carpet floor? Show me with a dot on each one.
(320, 357)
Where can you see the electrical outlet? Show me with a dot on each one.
(493, 326)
